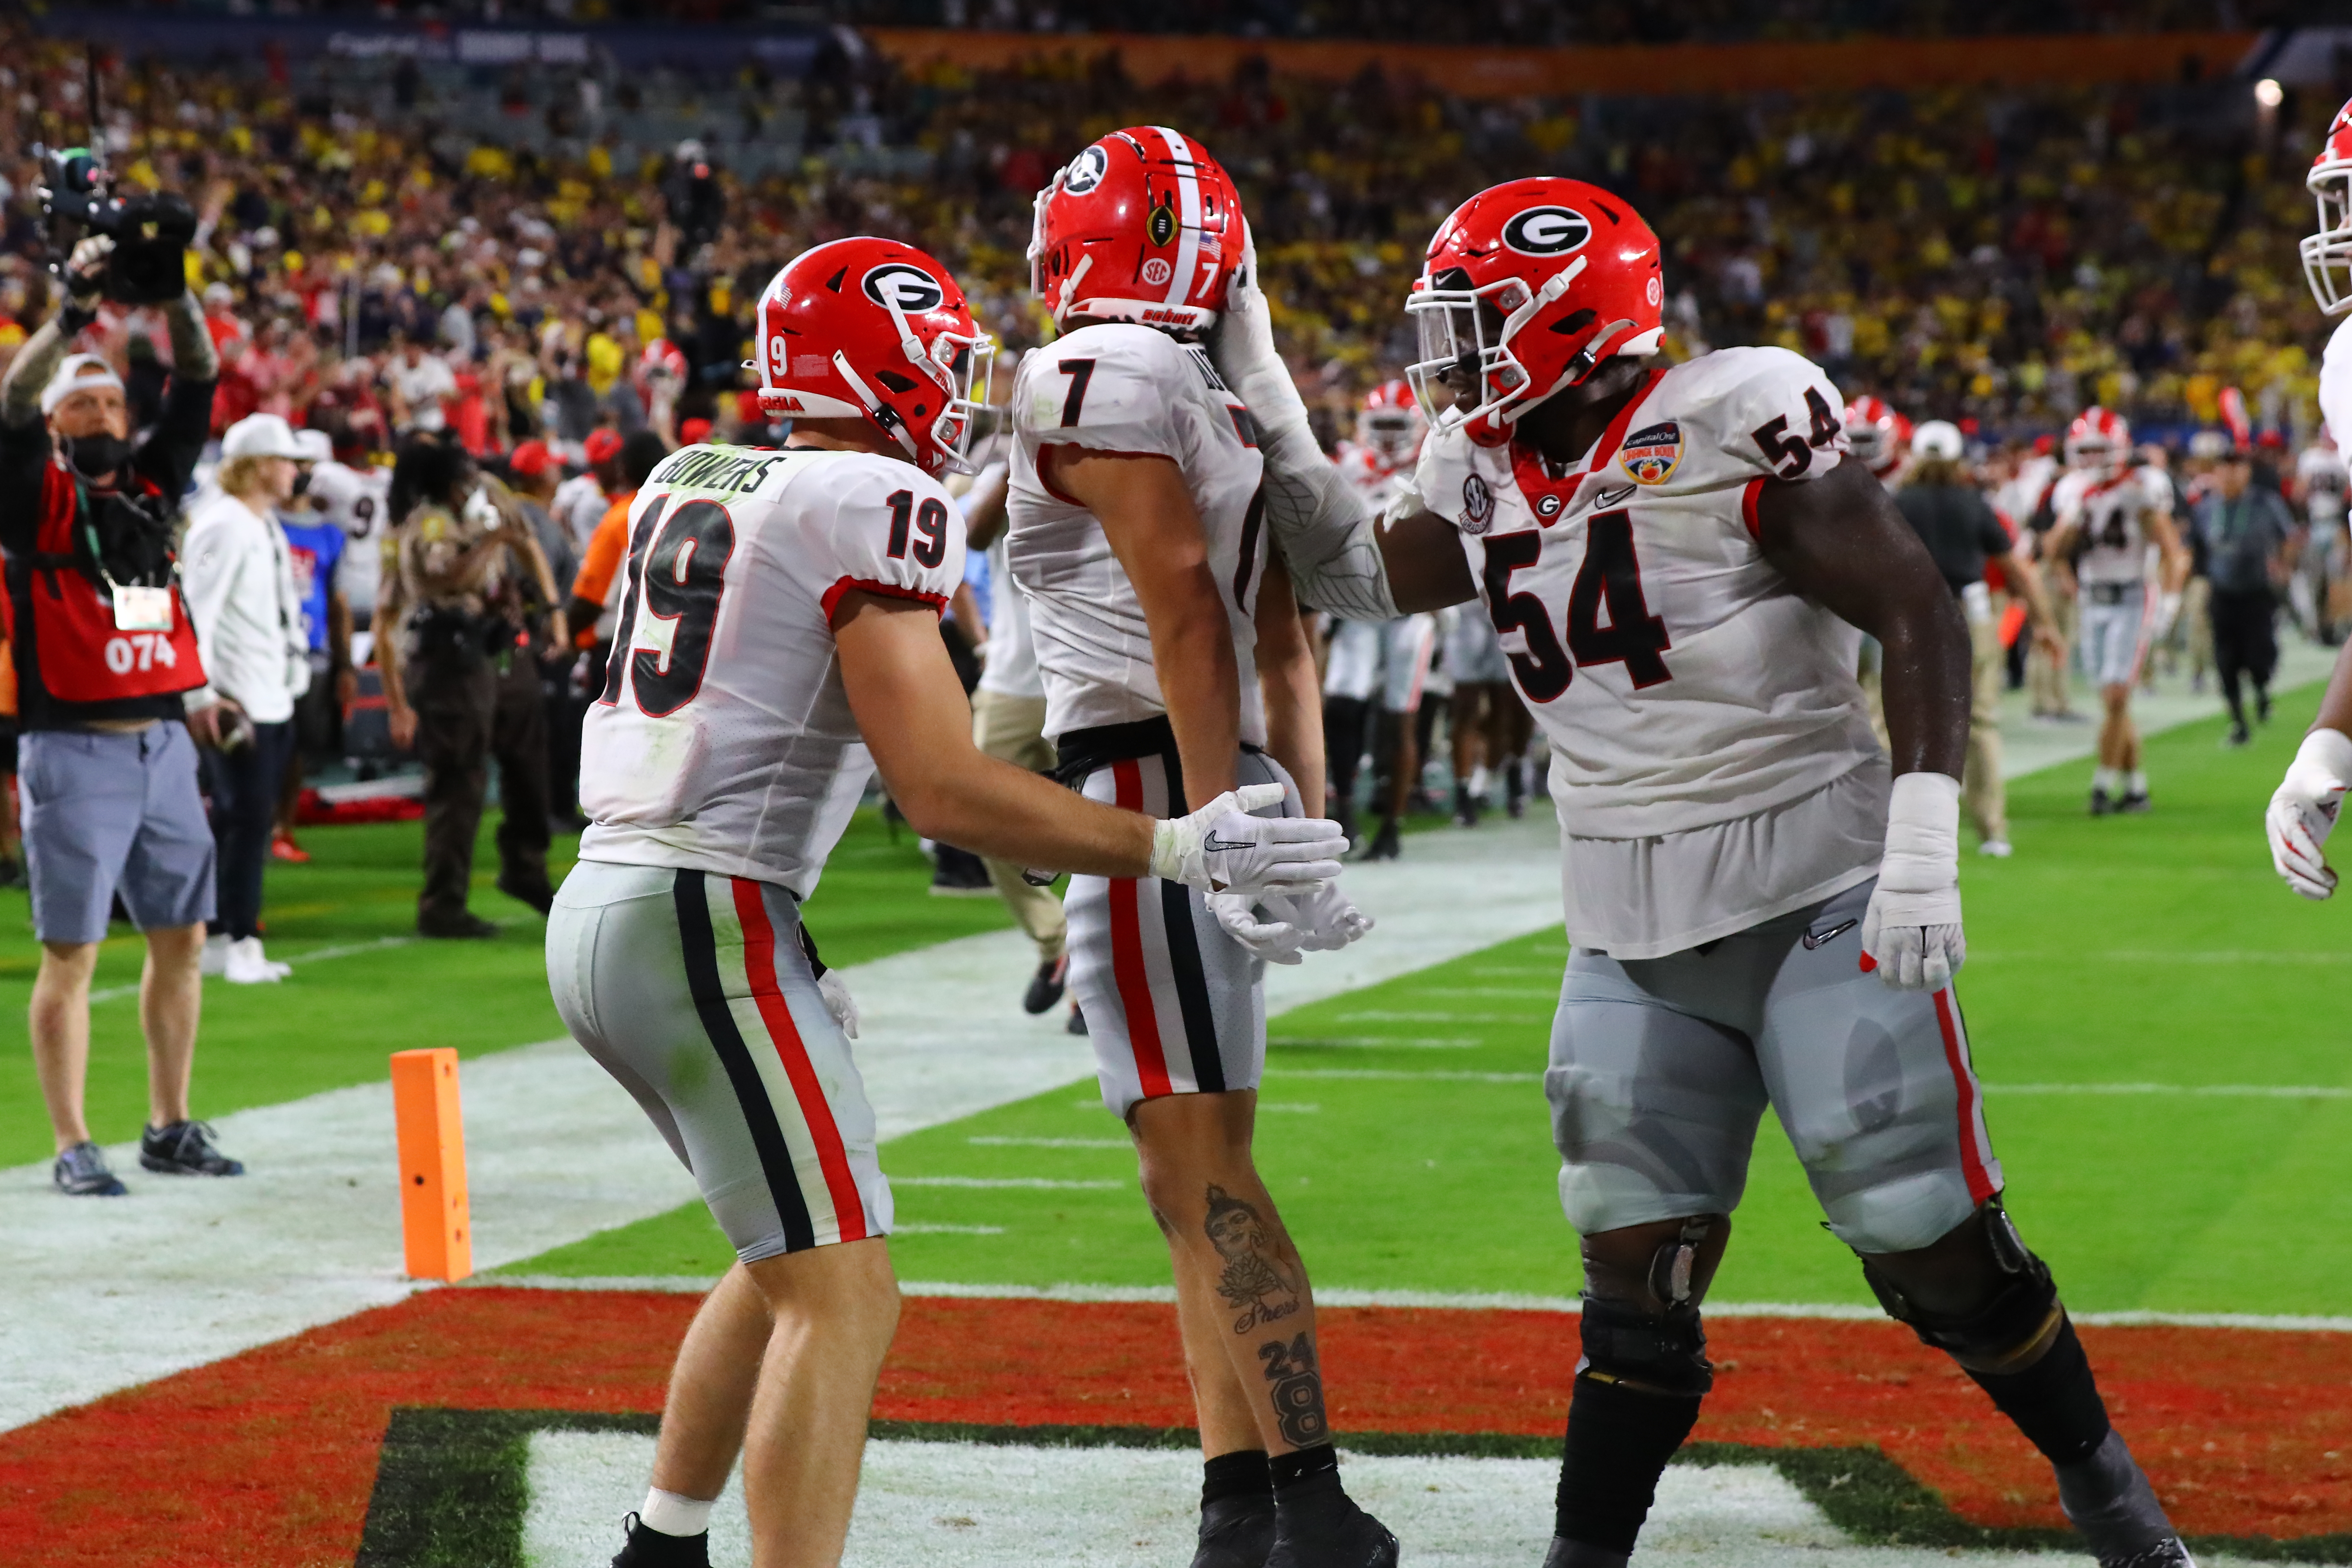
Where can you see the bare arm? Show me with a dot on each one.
(194, 357)
(911, 709)
(1839, 539)
(390, 625)
(983, 512)
(1293, 690)
(29, 372)
(1426, 569)
(2173, 574)
(1147, 513)
(339, 647)
(2026, 580)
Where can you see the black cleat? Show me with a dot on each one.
(1566, 1553)
(1387, 844)
(2101, 803)
(80, 1173)
(184, 1149)
(1046, 986)
(538, 895)
(649, 1548)
(2136, 803)
(1235, 1532)
(2107, 1497)
(2237, 736)
(958, 874)
(1466, 807)
(1342, 1536)
(2263, 707)
(466, 926)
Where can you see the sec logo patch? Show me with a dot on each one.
(1478, 506)
(1156, 271)
(1651, 454)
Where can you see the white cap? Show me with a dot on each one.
(78, 372)
(1937, 438)
(260, 436)
(315, 446)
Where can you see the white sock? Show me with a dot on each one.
(1478, 781)
(674, 1513)
(2138, 783)
(2108, 778)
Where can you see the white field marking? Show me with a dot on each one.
(2140, 955)
(105, 1294)
(2222, 1090)
(1040, 1184)
(962, 1505)
(947, 1230)
(1294, 1108)
(1288, 1071)
(1373, 1043)
(986, 1143)
(1547, 993)
(315, 955)
(1383, 1016)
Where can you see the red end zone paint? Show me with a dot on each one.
(267, 1459)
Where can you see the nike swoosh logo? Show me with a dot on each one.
(1212, 843)
(1611, 497)
(1814, 939)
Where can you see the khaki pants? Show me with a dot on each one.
(1012, 728)
(2196, 615)
(2045, 677)
(1981, 784)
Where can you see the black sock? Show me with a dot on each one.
(1244, 1473)
(1619, 1440)
(2055, 1402)
(1305, 1470)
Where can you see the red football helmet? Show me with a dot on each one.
(871, 329)
(1880, 437)
(1526, 289)
(2099, 439)
(1144, 226)
(2327, 255)
(1390, 424)
(662, 360)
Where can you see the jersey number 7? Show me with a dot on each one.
(1609, 581)
(678, 581)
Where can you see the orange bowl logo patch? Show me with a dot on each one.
(1651, 454)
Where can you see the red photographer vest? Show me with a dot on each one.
(85, 656)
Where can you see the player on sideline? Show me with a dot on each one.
(1176, 663)
(2109, 510)
(1679, 557)
(778, 641)
(1386, 661)
(2303, 810)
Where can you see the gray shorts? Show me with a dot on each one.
(693, 991)
(1660, 1068)
(105, 813)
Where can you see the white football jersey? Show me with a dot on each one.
(1688, 692)
(1369, 474)
(1119, 387)
(722, 739)
(2319, 468)
(358, 501)
(2336, 383)
(2107, 508)
(578, 505)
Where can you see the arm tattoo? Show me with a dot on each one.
(194, 358)
(1259, 1289)
(29, 372)
(1298, 1382)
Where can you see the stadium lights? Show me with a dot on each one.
(2268, 93)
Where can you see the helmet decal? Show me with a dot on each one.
(1478, 505)
(1156, 270)
(1546, 231)
(1086, 170)
(908, 288)
(1143, 225)
(1161, 227)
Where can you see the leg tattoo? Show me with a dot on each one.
(1258, 1287)
(1297, 1390)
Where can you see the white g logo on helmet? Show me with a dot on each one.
(1086, 171)
(1546, 231)
(910, 288)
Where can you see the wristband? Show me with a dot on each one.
(2328, 753)
(1923, 831)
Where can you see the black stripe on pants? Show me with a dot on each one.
(700, 947)
(1184, 957)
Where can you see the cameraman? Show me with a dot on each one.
(104, 650)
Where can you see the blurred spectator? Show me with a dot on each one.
(316, 542)
(581, 501)
(593, 606)
(419, 385)
(239, 573)
(533, 472)
(2248, 532)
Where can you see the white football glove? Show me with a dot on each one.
(2167, 611)
(838, 1001)
(1326, 919)
(1274, 940)
(2302, 811)
(1911, 932)
(1222, 849)
(86, 270)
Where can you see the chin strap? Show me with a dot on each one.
(881, 413)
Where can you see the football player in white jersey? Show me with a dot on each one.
(1176, 665)
(1388, 661)
(1880, 440)
(1678, 558)
(2304, 809)
(778, 643)
(2110, 512)
(355, 501)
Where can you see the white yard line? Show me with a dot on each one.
(101, 1294)
(315, 955)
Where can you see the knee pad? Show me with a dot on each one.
(2012, 1321)
(1665, 1350)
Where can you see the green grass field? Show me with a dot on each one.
(2156, 950)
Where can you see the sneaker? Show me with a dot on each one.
(466, 926)
(11, 872)
(1077, 1024)
(80, 1173)
(1466, 807)
(185, 1149)
(958, 874)
(2135, 804)
(1997, 848)
(1235, 1532)
(538, 895)
(283, 848)
(248, 966)
(1345, 1537)
(213, 959)
(2101, 803)
(2261, 707)
(1387, 844)
(1046, 986)
(2238, 736)
(649, 1548)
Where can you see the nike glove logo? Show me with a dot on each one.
(1212, 843)
(1814, 939)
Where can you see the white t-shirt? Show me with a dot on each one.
(422, 386)
(723, 741)
(578, 505)
(238, 576)
(2107, 508)
(1119, 387)
(1703, 715)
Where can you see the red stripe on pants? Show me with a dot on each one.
(759, 964)
(1126, 953)
(1964, 1080)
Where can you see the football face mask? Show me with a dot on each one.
(2327, 255)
